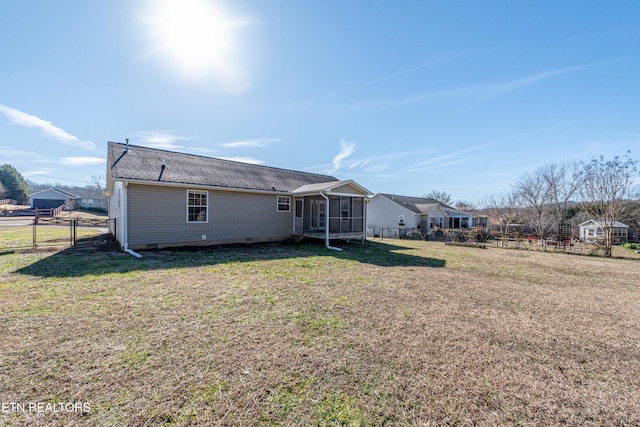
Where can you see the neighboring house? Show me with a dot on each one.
(92, 203)
(392, 213)
(52, 198)
(593, 230)
(91, 198)
(160, 198)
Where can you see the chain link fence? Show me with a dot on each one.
(33, 233)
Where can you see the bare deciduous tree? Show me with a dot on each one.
(439, 195)
(564, 181)
(503, 211)
(465, 206)
(607, 189)
(532, 193)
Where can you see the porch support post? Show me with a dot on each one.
(293, 209)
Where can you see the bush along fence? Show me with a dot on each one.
(477, 234)
(34, 233)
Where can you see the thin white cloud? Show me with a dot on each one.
(27, 120)
(37, 172)
(10, 152)
(346, 149)
(250, 143)
(250, 160)
(408, 70)
(162, 139)
(437, 162)
(82, 161)
(375, 163)
(359, 163)
(435, 61)
(475, 95)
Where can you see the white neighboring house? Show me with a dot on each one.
(593, 230)
(91, 199)
(392, 213)
(52, 198)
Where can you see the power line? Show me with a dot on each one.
(64, 179)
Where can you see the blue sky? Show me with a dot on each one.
(404, 97)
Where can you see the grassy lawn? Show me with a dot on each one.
(389, 333)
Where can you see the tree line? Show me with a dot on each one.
(557, 194)
(12, 185)
(15, 187)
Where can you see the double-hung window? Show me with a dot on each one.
(345, 207)
(284, 204)
(197, 206)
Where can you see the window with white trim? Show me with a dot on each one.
(345, 207)
(284, 204)
(197, 206)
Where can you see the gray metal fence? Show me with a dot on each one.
(33, 233)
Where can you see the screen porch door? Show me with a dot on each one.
(318, 215)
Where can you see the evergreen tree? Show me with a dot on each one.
(14, 184)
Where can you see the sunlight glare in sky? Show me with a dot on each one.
(199, 38)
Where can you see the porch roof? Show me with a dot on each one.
(328, 187)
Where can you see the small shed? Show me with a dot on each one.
(51, 198)
(593, 230)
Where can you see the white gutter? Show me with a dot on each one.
(207, 187)
(125, 216)
(326, 226)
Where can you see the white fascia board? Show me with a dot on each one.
(204, 187)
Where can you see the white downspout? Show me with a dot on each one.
(135, 254)
(125, 221)
(326, 226)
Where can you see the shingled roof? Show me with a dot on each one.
(145, 164)
(417, 205)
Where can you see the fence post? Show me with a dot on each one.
(35, 222)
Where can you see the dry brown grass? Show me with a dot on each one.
(394, 333)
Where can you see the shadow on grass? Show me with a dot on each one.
(100, 255)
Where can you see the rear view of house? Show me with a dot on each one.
(161, 198)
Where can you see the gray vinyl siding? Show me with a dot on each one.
(158, 216)
(115, 211)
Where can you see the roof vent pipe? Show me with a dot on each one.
(164, 165)
(126, 149)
